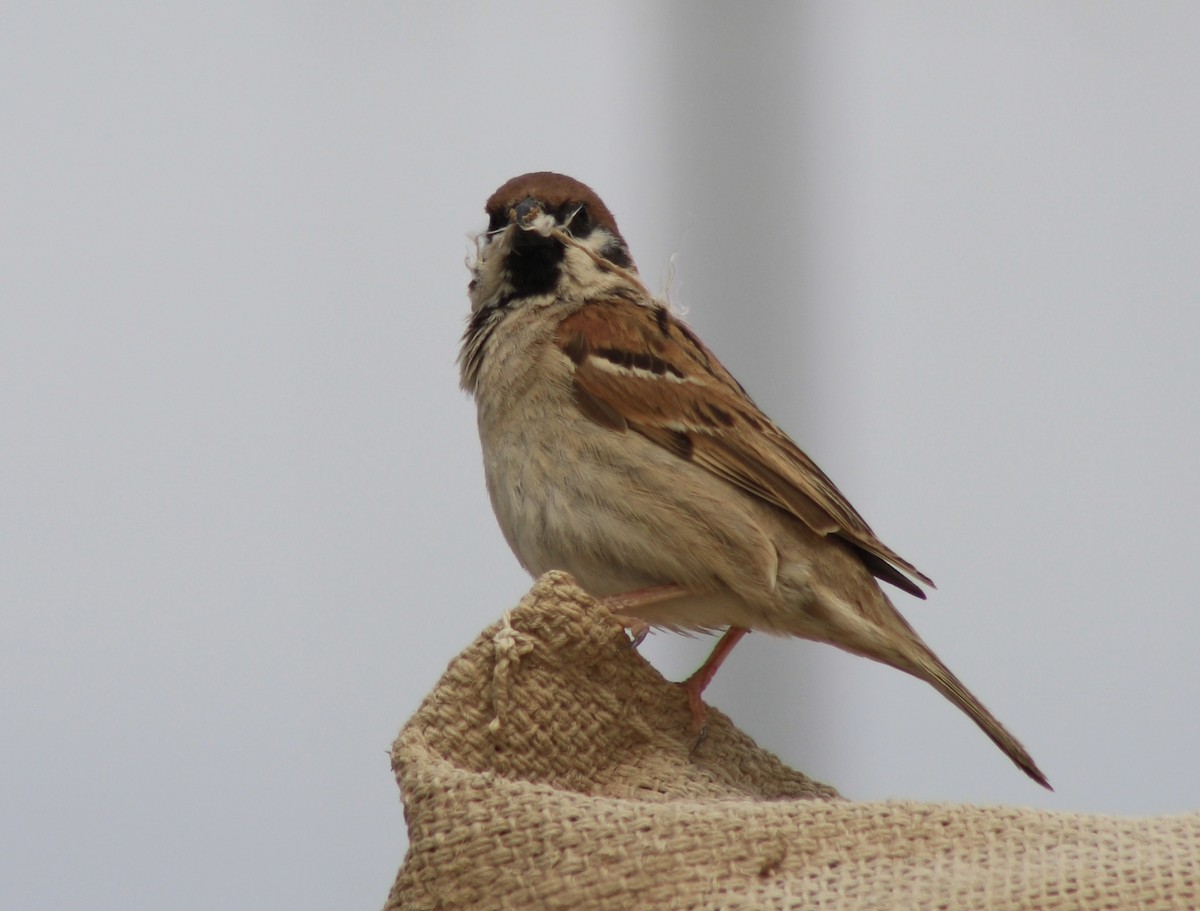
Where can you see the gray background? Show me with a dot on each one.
(952, 248)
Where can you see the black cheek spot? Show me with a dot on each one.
(615, 252)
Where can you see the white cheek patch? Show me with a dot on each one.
(597, 240)
(488, 277)
(483, 243)
(589, 273)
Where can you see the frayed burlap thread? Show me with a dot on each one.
(552, 768)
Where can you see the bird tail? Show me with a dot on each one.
(929, 668)
(873, 628)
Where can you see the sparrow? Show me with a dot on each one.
(618, 448)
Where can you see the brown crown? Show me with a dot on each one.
(554, 190)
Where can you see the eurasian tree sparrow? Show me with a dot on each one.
(618, 448)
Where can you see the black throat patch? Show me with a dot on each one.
(533, 264)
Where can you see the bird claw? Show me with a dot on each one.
(638, 634)
(638, 630)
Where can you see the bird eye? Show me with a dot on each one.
(580, 220)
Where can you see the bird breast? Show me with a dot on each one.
(615, 510)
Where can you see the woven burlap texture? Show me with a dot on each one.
(552, 768)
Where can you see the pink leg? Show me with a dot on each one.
(627, 603)
(695, 684)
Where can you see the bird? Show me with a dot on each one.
(617, 447)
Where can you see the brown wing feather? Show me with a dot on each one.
(637, 366)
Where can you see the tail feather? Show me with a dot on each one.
(870, 626)
(943, 680)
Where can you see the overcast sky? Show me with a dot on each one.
(951, 248)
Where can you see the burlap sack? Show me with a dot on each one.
(551, 768)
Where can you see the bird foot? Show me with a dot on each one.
(625, 608)
(637, 629)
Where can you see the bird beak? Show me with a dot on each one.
(525, 213)
(536, 224)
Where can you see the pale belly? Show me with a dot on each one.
(630, 517)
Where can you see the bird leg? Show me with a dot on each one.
(695, 684)
(624, 607)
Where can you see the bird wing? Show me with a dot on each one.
(638, 367)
